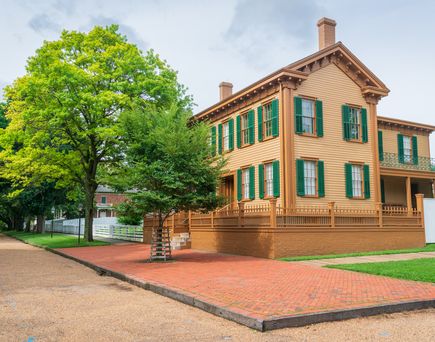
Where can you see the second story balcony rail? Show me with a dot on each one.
(422, 163)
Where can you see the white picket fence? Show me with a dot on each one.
(103, 227)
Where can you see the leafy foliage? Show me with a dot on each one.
(168, 162)
(64, 113)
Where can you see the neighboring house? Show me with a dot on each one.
(309, 134)
(106, 201)
(312, 168)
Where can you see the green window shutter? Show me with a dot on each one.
(239, 185)
(251, 126)
(300, 177)
(364, 128)
(261, 180)
(348, 176)
(321, 178)
(231, 132)
(260, 122)
(275, 117)
(381, 145)
(366, 182)
(382, 191)
(275, 169)
(298, 115)
(400, 148)
(319, 118)
(239, 131)
(213, 141)
(220, 138)
(414, 150)
(345, 118)
(252, 182)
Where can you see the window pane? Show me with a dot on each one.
(245, 183)
(267, 119)
(226, 136)
(357, 186)
(245, 130)
(268, 179)
(354, 122)
(310, 177)
(308, 116)
(407, 149)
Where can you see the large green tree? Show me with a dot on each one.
(168, 163)
(64, 112)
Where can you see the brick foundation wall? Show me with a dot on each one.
(267, 243)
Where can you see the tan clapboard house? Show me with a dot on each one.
(309, 134)
(311, 167)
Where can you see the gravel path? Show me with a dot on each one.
(50, 298)
(369, 258)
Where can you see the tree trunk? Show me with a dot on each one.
(27, 229)
(40, 221)
(89, 214)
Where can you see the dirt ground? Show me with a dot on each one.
(49, 298)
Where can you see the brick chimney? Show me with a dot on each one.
(326, 32)
(225, 90)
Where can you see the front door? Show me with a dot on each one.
(414, 190)
(227, 189)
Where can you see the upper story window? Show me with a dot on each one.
(308, 116)
(268, 180)
(267, 120)
(226, 136)
(357, 181)
(407, 149)
(310, 178)
(245, 129)
(355, 123)
(103, 199)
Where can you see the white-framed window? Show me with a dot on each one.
(355, 123)
(357, 181)
(407, 149)
(245, 129)
(245, 183)
(268, 180)
(308, 116)
(267, 120)
(310, 177)
(103, 199)
(226, 136)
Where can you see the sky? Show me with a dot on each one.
(240, 41)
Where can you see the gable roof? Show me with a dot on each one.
(337, 53)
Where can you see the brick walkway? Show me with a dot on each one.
(257, 288)
(369, 258)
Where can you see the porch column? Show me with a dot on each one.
(372, 102)
(287, 139)
(408, 194)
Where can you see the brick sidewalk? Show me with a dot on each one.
(256, 288)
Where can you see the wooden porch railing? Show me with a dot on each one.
(272, 216)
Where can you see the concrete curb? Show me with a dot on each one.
(257, 324)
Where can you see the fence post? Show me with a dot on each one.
(272, 212)
(380, 214)
(189, 219)
(331, 207)
(420, 207)
(241, 214)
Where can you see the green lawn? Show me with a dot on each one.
(428, 248)
(416, 269)
(57, 241)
